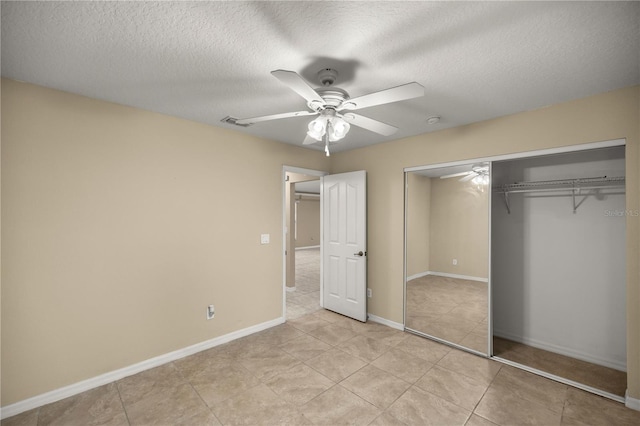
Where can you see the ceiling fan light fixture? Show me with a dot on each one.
(317, 128)
(481, 179)
(339, 129)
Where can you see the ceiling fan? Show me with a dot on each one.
(333, 106)
(479, 174)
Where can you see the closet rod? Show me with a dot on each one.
(573, 185)
(577, 188)
(561, 183)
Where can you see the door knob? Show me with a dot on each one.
(360, 253)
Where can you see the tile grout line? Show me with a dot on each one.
(38, 416)
(124, 409)
(196, 392)
(564, 404)
(484, 393)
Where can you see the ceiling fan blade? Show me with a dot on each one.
(308, 140)
(370, 124)
(395, 94)
(274, 117)
(470, 176)
(454, 175)
(298, 85)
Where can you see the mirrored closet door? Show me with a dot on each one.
(447, 254)
(523, 259)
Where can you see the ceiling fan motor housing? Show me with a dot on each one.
(333, 97)
(327, 76)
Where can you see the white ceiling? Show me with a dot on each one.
(207, 60)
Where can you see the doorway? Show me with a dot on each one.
(302, 242)
(343, 251)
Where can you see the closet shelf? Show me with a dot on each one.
(577, 187)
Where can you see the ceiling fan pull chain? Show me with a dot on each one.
(326, 139)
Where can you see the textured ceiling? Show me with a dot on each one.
(207, 60)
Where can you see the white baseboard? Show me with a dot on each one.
(103, 379)
(307, 247)
(447, 275)
(632, 403)
(384, 321)
(460, 277)
(289, 289)
(616, 365)
(418, 275)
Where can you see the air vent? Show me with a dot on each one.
(233, 120)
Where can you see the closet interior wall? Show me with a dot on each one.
(558, 277)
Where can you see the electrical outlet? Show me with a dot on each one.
(211, 311)
(455, 261)
(369, 292)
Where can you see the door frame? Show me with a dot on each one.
(310, 172)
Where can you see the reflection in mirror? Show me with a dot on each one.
(447, 242)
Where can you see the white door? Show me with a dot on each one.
(344, 244)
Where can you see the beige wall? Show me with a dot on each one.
(418, 219)
(602, 117)
(119, 226)
(459, 228)
(308, 221)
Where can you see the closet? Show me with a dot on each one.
(558, 265)
(554, 229)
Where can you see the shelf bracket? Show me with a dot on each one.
(574, 193)
(505, 195)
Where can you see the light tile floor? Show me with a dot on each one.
(451, 309)
(456, 310)
(306, 297)
(325, 369)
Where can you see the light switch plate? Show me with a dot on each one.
(264, 238)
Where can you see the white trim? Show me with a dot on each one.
(632, 403)
(525, 154)
(458, 276)
(418, 275)
(308, 247)
(303, 171)
(447, 275)
(616, 365)
(103, 379)
(404, 247)
(560, 379)
(384, 321)
(291, 289)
